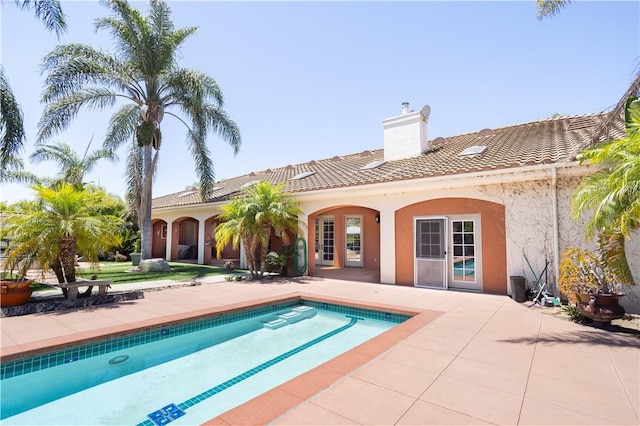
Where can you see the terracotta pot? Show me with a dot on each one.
(600, 307)
(15, 291)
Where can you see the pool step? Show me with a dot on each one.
(275, 324)
(296, 314)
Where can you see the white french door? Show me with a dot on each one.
(447, 252)
(465, 263)
(325, 238)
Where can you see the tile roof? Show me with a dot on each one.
(550, 141)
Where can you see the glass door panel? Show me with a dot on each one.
(325, 228)
(353, 239)
(464, 266)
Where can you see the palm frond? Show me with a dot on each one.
(11, 126)
(18, 176)
(75, 67)
(122, 126)
(49, 12)
(58, 115)
(549, 8)
(202, 157)
(187, 85)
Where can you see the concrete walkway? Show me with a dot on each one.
(480, 359)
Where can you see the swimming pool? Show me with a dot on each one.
(193, 371)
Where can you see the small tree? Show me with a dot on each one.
(251, 218)
(58, 225)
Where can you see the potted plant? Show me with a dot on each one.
(15, 290)
(591, 284)
(278, 261)
(136, 255)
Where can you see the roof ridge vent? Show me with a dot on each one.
(366, 153)
(312, 162)
(336, 158)
(438, 141)
(289, 167)
(485, 133)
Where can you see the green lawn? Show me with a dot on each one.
(116, 272)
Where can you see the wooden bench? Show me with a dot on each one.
(72, 288)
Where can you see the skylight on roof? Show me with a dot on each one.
(248, 184)
(372, 165)
(473, 150)
(216, 188)
(302, 175)
(187, 193)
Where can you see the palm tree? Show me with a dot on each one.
(612, 194)
(252, 216)
(11, 122)
(144, 73)
(73, 168)
(59, 224)
(238, 226)
(549, 8)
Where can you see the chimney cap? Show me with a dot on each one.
(405, 108)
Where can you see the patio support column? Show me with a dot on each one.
(201, 246)
(387, 245)
(167, 254)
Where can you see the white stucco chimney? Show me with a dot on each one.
(405, 135)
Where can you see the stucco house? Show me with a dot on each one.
(459, 212)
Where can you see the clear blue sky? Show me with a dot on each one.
(310, 80)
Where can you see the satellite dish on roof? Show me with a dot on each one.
(426, 110)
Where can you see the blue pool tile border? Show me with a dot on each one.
(52, 359)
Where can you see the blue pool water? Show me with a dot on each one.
(184, 374)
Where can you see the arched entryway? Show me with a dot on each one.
(184, 245)
(455, 243)
(344, 243)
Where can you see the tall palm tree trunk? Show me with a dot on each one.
(145, 203)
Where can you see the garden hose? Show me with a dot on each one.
(300, 256)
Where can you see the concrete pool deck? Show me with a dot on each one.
(466, 359)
